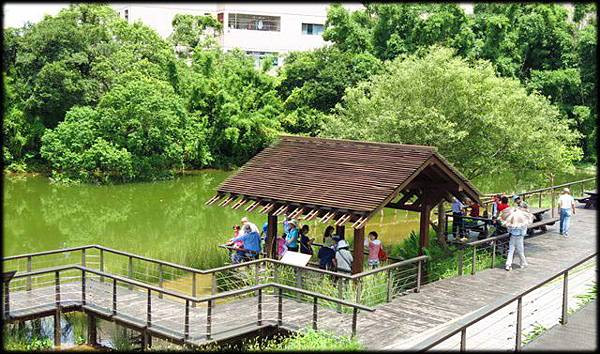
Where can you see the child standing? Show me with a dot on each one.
(374, 247)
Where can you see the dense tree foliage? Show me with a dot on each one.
(90, 97)
(311, 83)
(480, 122)
(537, 43)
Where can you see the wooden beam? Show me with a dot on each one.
(270, 250)
(424, 225)
(357, 252)
(253, 205)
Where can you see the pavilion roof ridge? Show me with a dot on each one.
(362, 142)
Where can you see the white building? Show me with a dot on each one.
(258, 29)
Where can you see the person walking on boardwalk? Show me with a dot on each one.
(516, 221)
(566, 204)
(457, 214)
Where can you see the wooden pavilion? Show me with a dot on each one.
(344, 182)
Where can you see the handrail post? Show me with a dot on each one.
(298, 282)
(389, 285)
(57, 329)
(493, 253)
(29, 270)
(419, 275)
(354, 315)
(474, 260)
(460, 261)
(194, 276)
(256, 270)
(6, 299)
(280, 307)
(149, 309)
(565, 299)
(275, 277)
(315, 311)
(552, 201)
(213, 286)
(186, 325)
(358, 288)
(463, 339)
(160, 279)
(340, 293)
(540, 201)
(83, 287)
(83, 257)
(519, 323)
(259, 311)
(130, 271)
(114, 308)
(209, 319)
(101, 264)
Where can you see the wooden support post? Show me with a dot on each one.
(565, 303)
(271, 250)
(359, 239)
(92, 331)
(441, 232)
(340, 230)
(424, 230)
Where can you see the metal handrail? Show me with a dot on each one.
(461, 325)
(45, 253)
(545, 189)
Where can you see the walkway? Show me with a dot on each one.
(407, 319)
(396, 325)
(578, 334)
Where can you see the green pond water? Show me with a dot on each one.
(168, 220)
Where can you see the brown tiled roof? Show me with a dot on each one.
(345, 175)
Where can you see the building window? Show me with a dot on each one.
(255, 22)
(126, 14)
(312, 29)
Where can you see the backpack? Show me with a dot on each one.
(382, 255)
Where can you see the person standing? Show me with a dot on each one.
(520, 202)
(374, 246)
(251, 242)
(292, 237)
(305, 241)
(253, 226)
(457, 214)
(516, 243)
(343, 257)
(566, 204)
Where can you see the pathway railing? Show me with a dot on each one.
(135, 303)
(371, 287)
(462, 325)
(540, 192)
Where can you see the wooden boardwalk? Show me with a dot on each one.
(580, 333)
(406, 319)
(395, 325)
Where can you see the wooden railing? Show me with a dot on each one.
(462, 325)
(149, 322)
(396, 272)
(487, 197)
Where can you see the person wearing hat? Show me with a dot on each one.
(291, 238)
(343, 257)
(566, 204)
(520, 203)
(253, 226)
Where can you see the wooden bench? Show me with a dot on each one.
(541, 225)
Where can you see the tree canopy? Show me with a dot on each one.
(480, 122)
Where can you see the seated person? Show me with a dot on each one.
(251, 242)
(326, 254)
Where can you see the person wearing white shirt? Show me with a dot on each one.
(566, 204)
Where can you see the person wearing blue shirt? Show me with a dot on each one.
(291, 239)
(457, 220)
(286, 224)
(251, 240)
